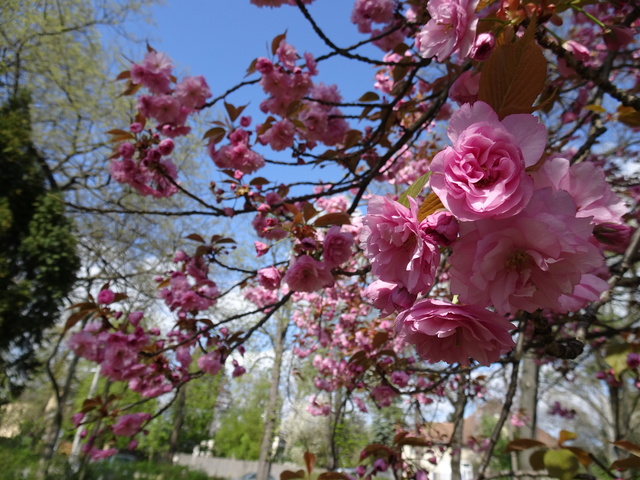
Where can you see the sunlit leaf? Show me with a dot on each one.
(583, 456)
(369, 97)
(595, 108)
(414, 190)
(562, 464)
(616, 358)
(430, 205)
(629, 116)
(564, 436)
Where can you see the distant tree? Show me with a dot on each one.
(242, 425)
(38, 259)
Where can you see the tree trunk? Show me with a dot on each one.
(54, 415)
(457, 437)
(273, 403)
(528, 406)
(178, 420)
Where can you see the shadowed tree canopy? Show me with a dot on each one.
(38, 257)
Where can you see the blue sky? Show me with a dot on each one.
(220, 38)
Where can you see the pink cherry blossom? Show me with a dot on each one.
(366, 12)
(129, 425)
(581, 53)
(383, 395)
(452, 29)
(269, 278)
(211, 362)
(588, 187)
(279, 136)
(106, 297)
(389, 297)
(465, 88)
(444, 332)
(192, 92)
(99, 454)
(395, 242)
(483, 46)
(525, 262)
(306, 274)
(237, 155)
(337, 247)
(483, 174)
(442, 227)
(287, 55)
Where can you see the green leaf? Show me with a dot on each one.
(616, 358)
(414, 190)
(369, 97)
(562, 464)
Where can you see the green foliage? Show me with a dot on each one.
(19, 461)
(384, 424)
(38, 257)
(115, 469)
(242, 425)
(499, 460)
(352, 436)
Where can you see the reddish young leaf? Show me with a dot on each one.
(275, 43)
(289, 475)
(628, 446)
(522, 444)
(310, 461)
(336, 218)
(514, 76)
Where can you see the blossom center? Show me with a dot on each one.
(518, 261)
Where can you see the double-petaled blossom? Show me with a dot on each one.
(192, 92)
(587, 185)
(445, 332)
(337, 247)
(128, 425)
(269, 278)
(367, 12)
(306, 274)
(528, 261)
(396, 243)
(451, 29)
(483, 174)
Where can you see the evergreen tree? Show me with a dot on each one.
(38, 257)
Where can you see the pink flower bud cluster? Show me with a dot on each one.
(558, 409)
(190, 290)
(316, 120)
(143, 164)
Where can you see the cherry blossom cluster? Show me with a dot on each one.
(143, 160)
(526, 238)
